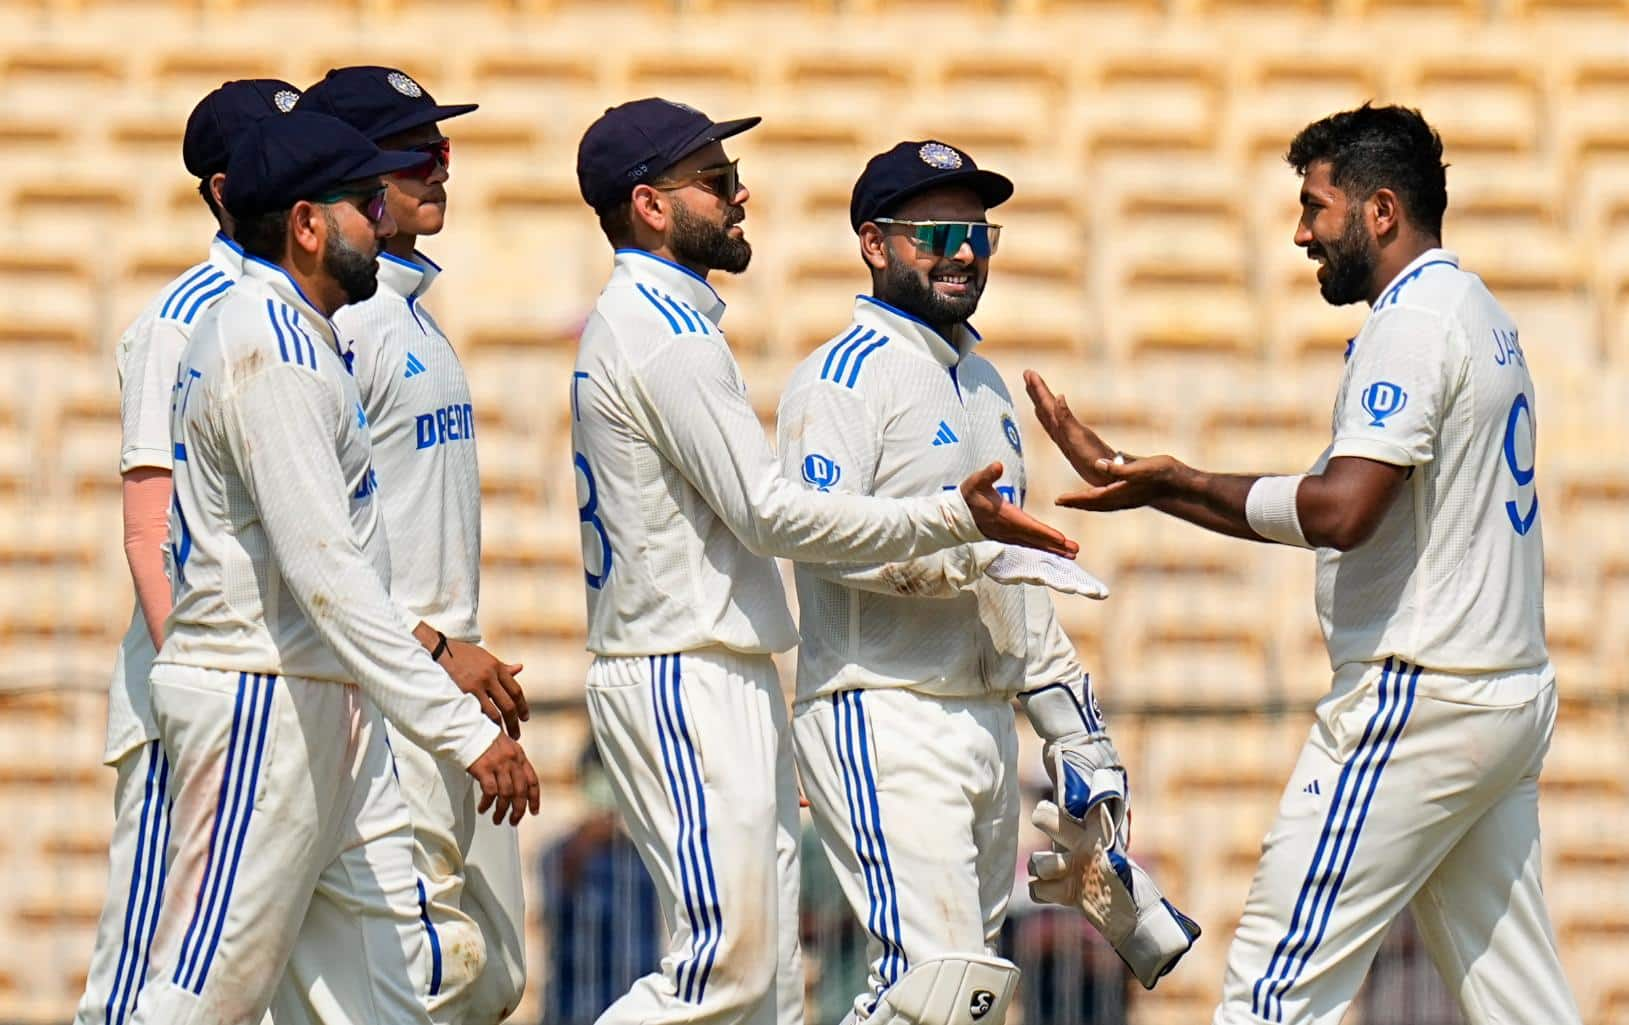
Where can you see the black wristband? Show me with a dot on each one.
(441, 646)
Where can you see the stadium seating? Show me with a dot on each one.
(1146, 269)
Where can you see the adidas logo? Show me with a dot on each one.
(945, 436)
(414, 366)
(1311, 788)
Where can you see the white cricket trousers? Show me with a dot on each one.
(289, 834)
(135, 887)
(915, 799)
(696, 748)
(1415, 789)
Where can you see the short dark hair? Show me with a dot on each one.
(614, 221)
(1374, 148)
(263, 235)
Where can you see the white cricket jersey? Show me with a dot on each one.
(681, 499)
(423, 432)
(891, 407)
(278, 554)
(146, 356)
(1453, 578)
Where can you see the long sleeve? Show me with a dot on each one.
(278, 425)
(1050, 657)
(694, 405)
(828, 438)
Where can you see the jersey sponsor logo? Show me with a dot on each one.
(415, 366)
(1010, 429)
(944, 436)
(1383, 400)
(452, 423)
(821, 471)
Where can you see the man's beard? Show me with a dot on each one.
(705, 244)
(905, 288)
(356, 272)
(1349, 264)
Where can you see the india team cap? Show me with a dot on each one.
(220, 117)
(912, 168)
(280, 161)
(638, 141)
(378, 102)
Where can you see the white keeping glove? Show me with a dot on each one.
(1015, 565)
(1085, 870)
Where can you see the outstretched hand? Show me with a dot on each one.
(1078, 443)
(1129, 485)
(1001, 520)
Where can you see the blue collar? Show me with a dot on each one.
(681, 268)
(281, 282)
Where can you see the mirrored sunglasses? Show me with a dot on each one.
(945, 238)
(722, 180)
(440, 154)
(372, 205)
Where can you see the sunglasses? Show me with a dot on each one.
(372, 205)
(723, 181)
(945, 238)
(440, 154)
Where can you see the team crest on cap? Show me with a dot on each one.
(404, 85)
(285, 100)
(937, 154)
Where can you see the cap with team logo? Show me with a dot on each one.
(378, 102)
(638, 141)
(912, 168)
(217, 120)
(279, 161)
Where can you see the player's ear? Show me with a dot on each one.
(217, 188)
(873, 246)
(649, 207)
(1385, 211)
(307, 227)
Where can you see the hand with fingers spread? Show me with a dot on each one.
(1079, 443)
(1001, 520)
(508, 783)
(477, 671)
(1130, 484)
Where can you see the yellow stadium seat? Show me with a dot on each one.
(1152, 102)
(834, 82)
(50, 298)
(1479, 104)
(1284, 94)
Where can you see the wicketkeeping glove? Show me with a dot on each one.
(1015, 565)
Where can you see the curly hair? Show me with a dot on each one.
(1374, 148)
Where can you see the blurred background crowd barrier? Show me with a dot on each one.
(1147, 269)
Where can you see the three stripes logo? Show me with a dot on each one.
(1312, 788)
(415, 366)
(944, 436)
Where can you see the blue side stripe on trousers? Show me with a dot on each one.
(140, 883)
(870, 846)
(1363, 813)
(695, 859)
(435, 939)
(1339, 835)
(163, 849)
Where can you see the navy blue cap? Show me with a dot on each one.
(280, 161)
(378, 102)
(215, 122)
(638, 141)
(912, 168)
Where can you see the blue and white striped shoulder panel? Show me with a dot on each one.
(294, 342)
(680, 316)
(1395, 292)
(848, 355)
(193, 293)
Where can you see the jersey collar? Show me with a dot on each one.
(226, 254)
(873, 312)
(409, 279)
(1412, 271)
(277, 281)
(682, 282)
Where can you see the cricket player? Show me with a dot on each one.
(903, 727)
(284, 648)
(1418, 784)
(683, 509)
(421, 420)
(147, 355)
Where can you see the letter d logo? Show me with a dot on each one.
(821, 472)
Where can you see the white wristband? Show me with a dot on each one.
(1270, 510)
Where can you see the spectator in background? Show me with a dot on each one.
(602, 925)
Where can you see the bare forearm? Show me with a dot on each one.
(1213, 501)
